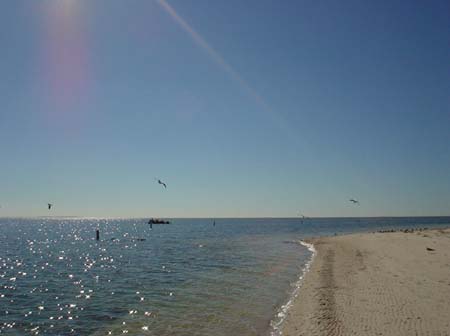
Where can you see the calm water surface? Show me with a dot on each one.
(187, 278)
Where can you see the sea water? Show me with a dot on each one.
(191, 277)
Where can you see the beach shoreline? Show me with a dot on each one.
(384, 283)
(277, 323)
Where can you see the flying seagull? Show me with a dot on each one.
(354, 201)
(161, 182)
(49, 206)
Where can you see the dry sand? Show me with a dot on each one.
(375, 284)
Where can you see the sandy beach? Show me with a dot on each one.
(375, 284)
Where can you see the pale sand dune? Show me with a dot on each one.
(376, 284)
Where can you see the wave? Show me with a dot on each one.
(277, 322)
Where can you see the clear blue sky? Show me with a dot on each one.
(249, 108)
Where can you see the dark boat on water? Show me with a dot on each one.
(158, 221)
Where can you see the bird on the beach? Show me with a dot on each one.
(49, 206)
(354, 201)
(161, 182)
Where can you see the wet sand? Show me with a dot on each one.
(375, 284)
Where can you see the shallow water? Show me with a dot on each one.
(186, 278)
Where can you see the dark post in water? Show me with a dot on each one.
(97, 234)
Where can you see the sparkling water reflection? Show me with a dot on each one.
(187, 278)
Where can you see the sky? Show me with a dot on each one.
(250, 108)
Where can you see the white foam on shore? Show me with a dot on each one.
(277, 322)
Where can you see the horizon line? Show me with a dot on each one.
(238, 217)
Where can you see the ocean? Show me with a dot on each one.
(187, 278)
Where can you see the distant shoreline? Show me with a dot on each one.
(393, 283)
(219, 218)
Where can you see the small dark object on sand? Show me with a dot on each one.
(430, 249)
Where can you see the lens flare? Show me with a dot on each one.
(64, 55)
